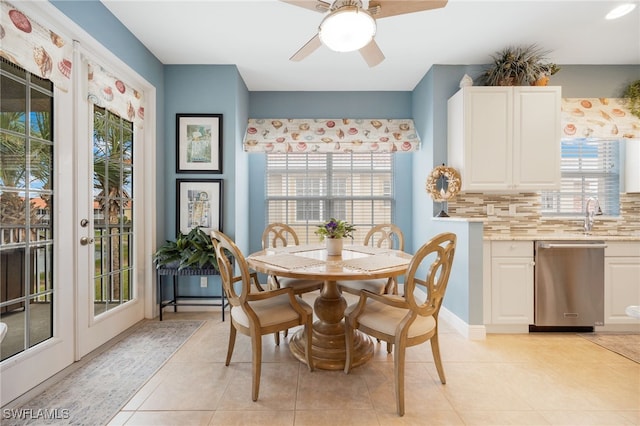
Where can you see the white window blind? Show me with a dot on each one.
(590, 168)
(302, 190)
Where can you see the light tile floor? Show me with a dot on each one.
(535, 379)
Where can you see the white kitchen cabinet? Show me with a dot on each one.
(632, 171)
(621, 281)
(505, 138)
(512, 282)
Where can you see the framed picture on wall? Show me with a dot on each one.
(198, 143)
(198, 203)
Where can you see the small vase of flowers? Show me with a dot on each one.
(335, 231)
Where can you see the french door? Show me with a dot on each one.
(36, 198)
(110, 240)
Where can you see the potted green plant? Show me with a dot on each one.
(632, 96)
(334, 231)
(519, 66)
(193, 250)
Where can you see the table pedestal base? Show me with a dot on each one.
(328, 346)
(328, 349)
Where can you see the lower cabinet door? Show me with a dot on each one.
(512, 290)
(621, 288)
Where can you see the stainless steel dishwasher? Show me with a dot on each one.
(569, 284)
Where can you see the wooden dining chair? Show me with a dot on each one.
(407, 320)
(386, 235)
(282, 235)
(259, 312)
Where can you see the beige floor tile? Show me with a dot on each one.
(585, 418)
(632, 416)
(136, 400)
(120, 418)
(189, 386)
(332, 390)
(544, 388)
(480, 386)
(420, 387)
(170, 418)
(336, 417)
(503, 418)
(243, 418)
(426, 415)
(278, 386)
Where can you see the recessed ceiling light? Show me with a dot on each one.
(620, 11)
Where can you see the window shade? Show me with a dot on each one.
(598, 118)
(330, 135)
(302, 190)
(34, 47)
(590, 168)
(108, 91)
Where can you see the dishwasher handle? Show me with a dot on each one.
(571, 245)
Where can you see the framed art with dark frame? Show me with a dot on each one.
(199, 143)
(198, 203)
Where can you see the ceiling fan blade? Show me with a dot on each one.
(307, 49)
(315, 5)
(392, 7)
(372, 54)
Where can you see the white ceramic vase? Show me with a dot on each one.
(334, 246)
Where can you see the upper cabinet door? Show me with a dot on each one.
(536, 137)
(505, 138)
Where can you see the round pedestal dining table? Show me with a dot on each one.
(312, 262)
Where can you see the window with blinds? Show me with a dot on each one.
(590, 168)
(302, 190)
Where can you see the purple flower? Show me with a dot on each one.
(335, 228)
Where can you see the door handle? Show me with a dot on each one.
(85, 241)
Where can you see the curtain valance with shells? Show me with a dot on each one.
(598, 118)
(34, 47)
(330, 135)
(108, 91)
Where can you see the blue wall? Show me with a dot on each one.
(215, 89)
(430, 114)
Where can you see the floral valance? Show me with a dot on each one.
(108, 91)
(600, 118)
(330, 135)
(35, 48)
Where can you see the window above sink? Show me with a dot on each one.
(589, 168)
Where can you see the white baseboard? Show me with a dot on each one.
(471, 332)
(507, 328)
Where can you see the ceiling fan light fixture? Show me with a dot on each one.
(620, 11)
(347, 29)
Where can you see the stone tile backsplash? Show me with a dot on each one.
(527, 219)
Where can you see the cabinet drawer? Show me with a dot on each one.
(622, 249)
(512, 248)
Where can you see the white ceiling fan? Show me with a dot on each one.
(349, 25)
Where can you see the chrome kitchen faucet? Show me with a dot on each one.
(590, 213)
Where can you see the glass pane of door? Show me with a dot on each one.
(26, 200)
(112, 210)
